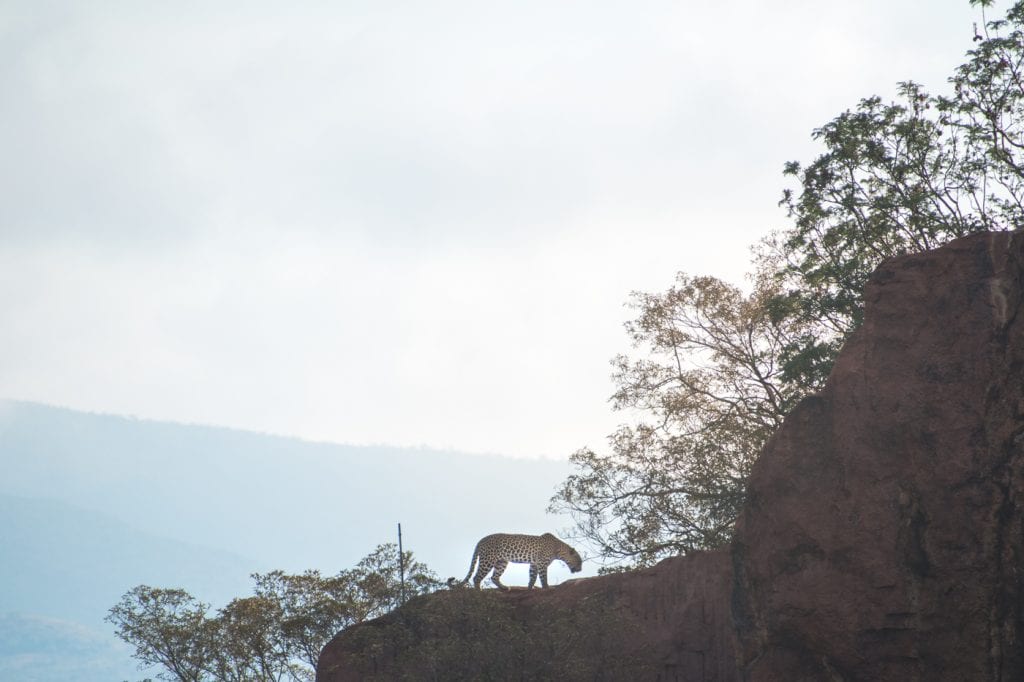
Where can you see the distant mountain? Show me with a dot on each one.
(34, 649)
(283, 502)
(62, 562)
(92, 505)
(144, 501)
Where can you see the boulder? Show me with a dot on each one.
(668, 622)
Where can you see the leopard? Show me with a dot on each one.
(498, 550)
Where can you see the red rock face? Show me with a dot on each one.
(670, 622)
(882, 538)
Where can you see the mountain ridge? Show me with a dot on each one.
(92, 505)
(232, 489)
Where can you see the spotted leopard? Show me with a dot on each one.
(498, 550)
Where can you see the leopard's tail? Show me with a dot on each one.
(472, 564)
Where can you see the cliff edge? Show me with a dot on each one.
(882, 538)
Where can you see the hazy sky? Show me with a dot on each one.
(399, 222)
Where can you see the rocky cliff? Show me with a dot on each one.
(882, 538)
(673, 619)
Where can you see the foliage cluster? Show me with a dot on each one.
(276, 634)
(717, 369)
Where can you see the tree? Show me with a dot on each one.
(277, 634)
(718, 370)
(313, 609)
(377, 581)
(709, 381)
(900, 178)
(247, 643)
(168, 628)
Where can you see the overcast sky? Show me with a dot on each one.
(412, 223)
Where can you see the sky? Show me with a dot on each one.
(398, 222)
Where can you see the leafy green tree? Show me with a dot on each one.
(247, 643)
(709, 382)
(277, 634)
(897, 178)
(167, 628)
(378, 585)
(313, 608)
(718, 370)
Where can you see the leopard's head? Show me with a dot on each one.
(573, 559)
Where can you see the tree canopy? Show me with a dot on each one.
(276, 634)
(717, 369)
(710, 384)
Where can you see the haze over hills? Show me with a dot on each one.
(91, 505)
(35, 649)
(64, 562)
